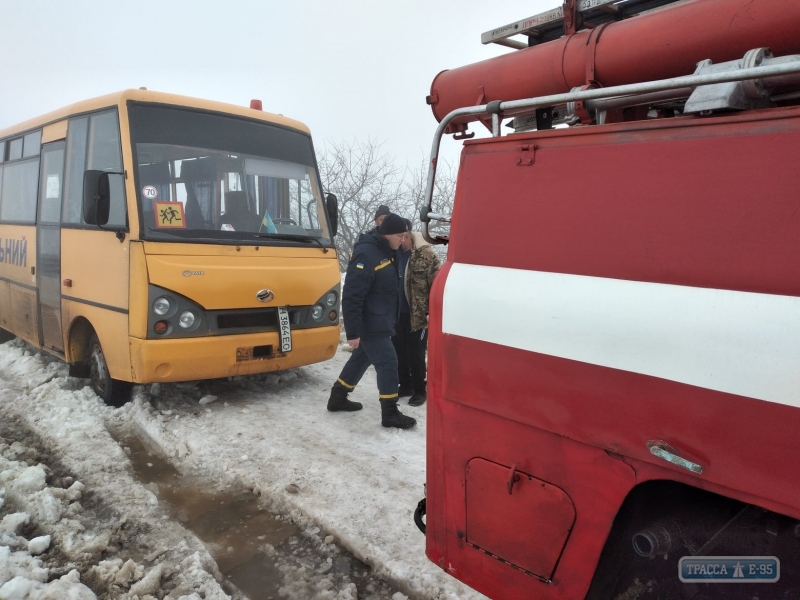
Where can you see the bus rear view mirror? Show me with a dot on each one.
(96, 197)
(332, 207)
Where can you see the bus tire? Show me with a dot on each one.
(113, 391)
(6, 336)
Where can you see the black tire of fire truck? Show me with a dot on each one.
(6, 336)
(702, 523)
(113, 391)
(419, 512)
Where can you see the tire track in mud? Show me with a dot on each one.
(111, 529)
(56, 410)
(54, 404)
(298, 469)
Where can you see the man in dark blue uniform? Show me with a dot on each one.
(370, 307)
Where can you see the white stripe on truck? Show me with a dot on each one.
(735, 342)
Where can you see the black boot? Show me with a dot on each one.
(338, 401)
(391, 417)
(418, 399)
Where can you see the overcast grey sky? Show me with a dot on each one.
(349, 69)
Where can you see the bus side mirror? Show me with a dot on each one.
(332, 206)
(96, 197)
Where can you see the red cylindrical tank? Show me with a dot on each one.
(658, 45)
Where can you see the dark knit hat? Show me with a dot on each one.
(382, 210)
(392, 224)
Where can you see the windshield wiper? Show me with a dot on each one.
(293, 238)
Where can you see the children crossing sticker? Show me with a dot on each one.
(169, 215)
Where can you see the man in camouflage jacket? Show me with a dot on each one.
(419, 265)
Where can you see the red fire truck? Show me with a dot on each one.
(614, 359)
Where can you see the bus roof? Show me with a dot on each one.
(121, 98)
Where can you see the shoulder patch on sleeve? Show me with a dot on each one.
(359, 265)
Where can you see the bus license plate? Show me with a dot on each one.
(285, 329)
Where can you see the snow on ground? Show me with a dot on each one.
(333, 474)
(85, 499)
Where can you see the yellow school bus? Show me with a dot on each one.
(148, 237)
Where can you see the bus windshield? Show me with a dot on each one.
(214, 178)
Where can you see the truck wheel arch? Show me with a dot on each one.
(689, 516)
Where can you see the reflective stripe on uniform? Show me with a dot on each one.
(387, 396)
(347, 385)
(383, 264)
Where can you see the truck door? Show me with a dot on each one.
(48, 246)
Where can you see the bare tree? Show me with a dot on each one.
(363, 177)
(444, 188)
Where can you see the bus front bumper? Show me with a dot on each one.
(189, 359)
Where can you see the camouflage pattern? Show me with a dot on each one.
(420, 272)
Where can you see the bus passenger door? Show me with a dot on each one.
(48, 246)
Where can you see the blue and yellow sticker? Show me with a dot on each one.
(359, 265)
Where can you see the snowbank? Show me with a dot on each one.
(79, 522)
(334, 474)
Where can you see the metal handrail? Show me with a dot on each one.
(526, 105)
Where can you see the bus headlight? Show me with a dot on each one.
(187, 319)
(330, 299)
(176, 315)
(161, 306)
(317, 312)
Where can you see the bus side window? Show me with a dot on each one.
(76, 165)
(32, 144)
(105, 154)
(15, 149)
(17, 188)
(20, 185)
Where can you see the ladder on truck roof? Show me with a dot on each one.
(580, 14)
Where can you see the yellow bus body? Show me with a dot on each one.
(18, 282)
(104, 280)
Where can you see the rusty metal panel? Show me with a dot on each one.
(5, 305)
(51, 328)
(23, 314)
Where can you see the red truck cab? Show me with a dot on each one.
(615, 336)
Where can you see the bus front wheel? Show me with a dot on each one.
(112, 391)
